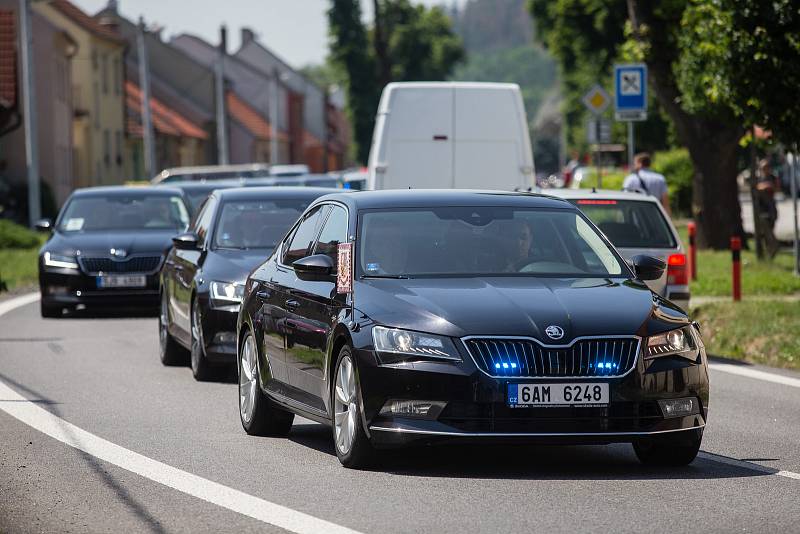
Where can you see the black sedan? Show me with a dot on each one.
(203, 276)
(107, 246)
(401, 317)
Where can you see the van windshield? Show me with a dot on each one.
(482, 241)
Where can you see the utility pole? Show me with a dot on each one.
(630, 145)
(29, 114)
(222, 130)
(148, 140)
(758, 233)
(273, 118)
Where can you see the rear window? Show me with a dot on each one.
(629, 223)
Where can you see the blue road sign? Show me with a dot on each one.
(630, 92)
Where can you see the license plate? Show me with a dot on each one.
(105, 282)
(563, 394)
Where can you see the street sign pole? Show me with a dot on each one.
(29, 114)
(148, 139)
(630, 99)
(631, 150)
(596, 101)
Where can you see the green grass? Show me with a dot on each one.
(757, 331)
(714, 269)
(18, 267)
(612, 179)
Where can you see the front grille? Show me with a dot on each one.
(136, 264)
(512, 357)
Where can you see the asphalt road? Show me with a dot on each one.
(103, 376)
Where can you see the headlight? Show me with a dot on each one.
(680, 342)
(226, 295)
(393, 344)
(60, 261)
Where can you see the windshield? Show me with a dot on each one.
(247, 224)
(482, 241)
(629, 223)
(130, 212)
(196, 197)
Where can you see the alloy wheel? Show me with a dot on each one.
(197, 337)
(345, 409)
(163, 319)
(248, 382)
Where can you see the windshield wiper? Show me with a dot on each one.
(391, 276)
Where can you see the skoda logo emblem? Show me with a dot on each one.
(119, 252)
(554, 332)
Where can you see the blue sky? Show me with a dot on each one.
(295, 29)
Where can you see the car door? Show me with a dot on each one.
(186, 263)
(314, 313)
(276, 292)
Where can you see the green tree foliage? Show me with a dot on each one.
(406, 43)
(676, 166)
(744, 55)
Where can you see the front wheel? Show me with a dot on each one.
(201, 369)
(259, 415)
(48, 311)
(170, 352)
(672, 452)
(350, 441)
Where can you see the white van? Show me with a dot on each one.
(443, 135)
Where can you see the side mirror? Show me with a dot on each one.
(648, 267)
(316, 268)
(44, 225)
(185, 241)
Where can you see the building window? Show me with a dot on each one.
(117, 77)
(94, 60)
(118, 140)
(104, 65)
(107, 148)
(96, 110)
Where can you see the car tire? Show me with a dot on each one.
(202, 370)
(669, 452)
(49, 311)
(260, 416)
(350, 441)
(169, 351)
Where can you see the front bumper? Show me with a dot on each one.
(219, 333)
(476, 408)
(70, 288)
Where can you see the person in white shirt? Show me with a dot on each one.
(647, 181)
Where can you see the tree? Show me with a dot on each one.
(593, 34)
(407, 43)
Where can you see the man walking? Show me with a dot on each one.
(647, 181)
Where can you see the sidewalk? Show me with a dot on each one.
(707, 299)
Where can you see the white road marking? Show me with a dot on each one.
(747, 465)
(40, 419)
(19, 407)
(754, 373)
(17, 302)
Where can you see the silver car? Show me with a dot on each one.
(637, 224)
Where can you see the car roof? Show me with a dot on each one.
(126, 190)
(208, 185)
(419, 198)
(270, 192)
(600, 194)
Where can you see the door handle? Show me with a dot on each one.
(291, 303)
(262, 294)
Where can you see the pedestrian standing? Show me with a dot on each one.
(647, 181)
(767, 184)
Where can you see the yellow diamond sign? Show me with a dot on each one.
(596, 100)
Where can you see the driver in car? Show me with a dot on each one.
(249, 226)
(521, 239)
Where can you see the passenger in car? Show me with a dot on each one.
(520, 241)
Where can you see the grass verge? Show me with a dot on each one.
(756, 331)
(774, 277)
(18, 267)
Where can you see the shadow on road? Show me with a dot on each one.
(148, 522)
(111, 313)
(520, 462)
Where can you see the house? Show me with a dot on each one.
(97, 91)
(54, 52)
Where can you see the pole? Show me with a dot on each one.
(148, 140)
(758, 234)
(692, 230)
(793, 180)
(326, 123)
(29, 114)
(630, 145)
(736, 257)
(273, 118)
(222, 130)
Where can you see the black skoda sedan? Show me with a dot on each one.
(401, 317)
(203, 276)
(107, 246)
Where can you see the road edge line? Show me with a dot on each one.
(710, 456)
(755, 374)
(18, 302)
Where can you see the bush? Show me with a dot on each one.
(677, 168)
(13, 235)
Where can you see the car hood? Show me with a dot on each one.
(518, 306)
(100, 243)
(233, 265)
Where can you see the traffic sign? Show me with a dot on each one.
(598, 131)
(596, 100)
(630, 92)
